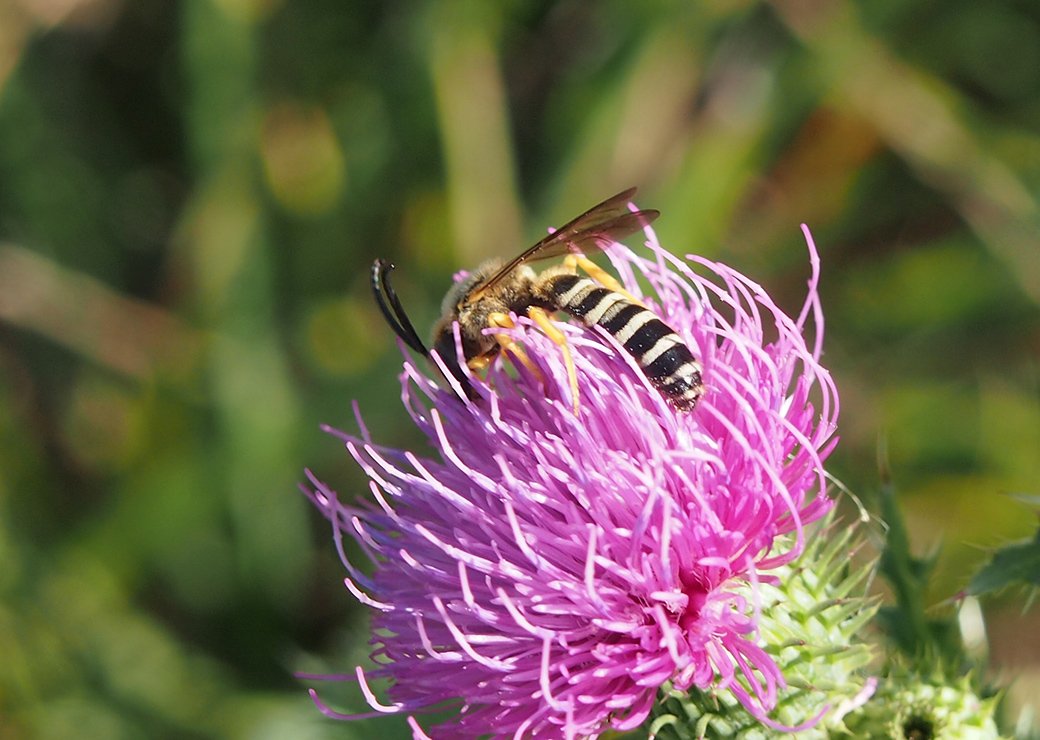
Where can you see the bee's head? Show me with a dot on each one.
(454, 310)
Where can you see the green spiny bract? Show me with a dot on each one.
(911, 704)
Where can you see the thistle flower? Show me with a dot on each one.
(545, 573)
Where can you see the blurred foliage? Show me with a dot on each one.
(190, 196)
(1013, 565)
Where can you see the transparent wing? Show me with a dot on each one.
(592, 231)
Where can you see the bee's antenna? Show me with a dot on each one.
(391, 307)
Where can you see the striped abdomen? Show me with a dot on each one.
(665, 360)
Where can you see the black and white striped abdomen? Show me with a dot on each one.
(661, 353)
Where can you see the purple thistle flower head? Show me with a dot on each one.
(545, 573)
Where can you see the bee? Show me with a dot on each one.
(487, 296)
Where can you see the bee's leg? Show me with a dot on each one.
(502, 321)
(541, 317)
(597, 273)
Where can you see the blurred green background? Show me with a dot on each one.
(191, 194)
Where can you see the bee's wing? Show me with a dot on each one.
(600, 226)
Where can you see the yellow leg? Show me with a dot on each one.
(597, 273)
(541, 317)
(502, 321)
